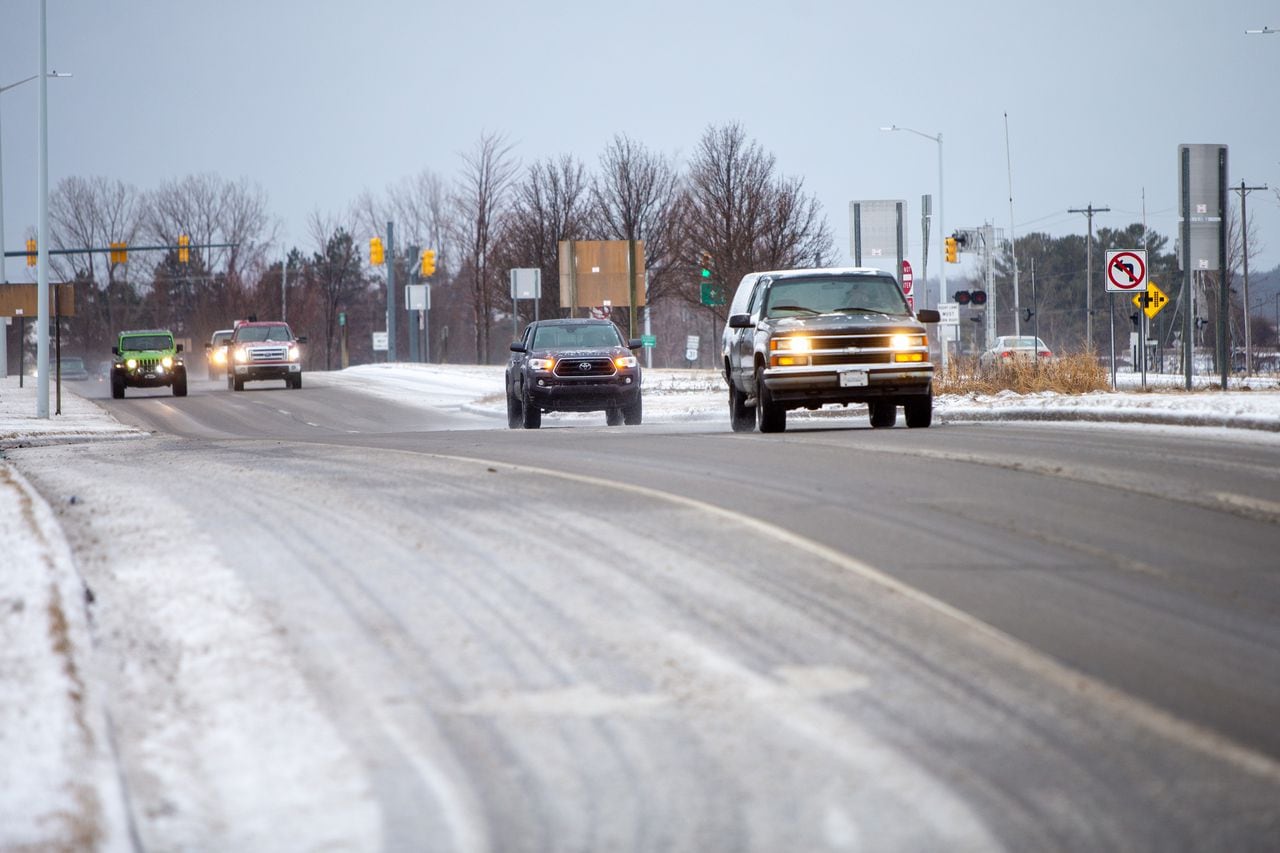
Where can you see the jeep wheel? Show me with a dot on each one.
(633, 413)
(741, 417)
(919, 411)
(770, 417)
(530, 414)
(117, 386)
(613, 416)
(515, 413)
(883, 414)
(180, 384)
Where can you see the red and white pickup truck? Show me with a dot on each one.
(264, 350)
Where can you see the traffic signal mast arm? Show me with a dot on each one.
(108, 249)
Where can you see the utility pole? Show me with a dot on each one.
(1244, 243)
(1013, 245)
(1088, 273)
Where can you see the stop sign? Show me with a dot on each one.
(906, 276)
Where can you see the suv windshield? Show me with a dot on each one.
(146, 342)
(264, 333)
(831, 295)
(576, 337)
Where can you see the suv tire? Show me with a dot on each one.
(741, 417)
(883, 413)
(117, 385)
(180, 384)
(919, 411)
(770, 417)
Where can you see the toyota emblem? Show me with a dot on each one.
(584, 365)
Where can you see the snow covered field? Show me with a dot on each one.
(57, 782)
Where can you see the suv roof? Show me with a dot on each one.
(147, 332)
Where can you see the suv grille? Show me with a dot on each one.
(148, 364)
(570, 368)
(851, 349)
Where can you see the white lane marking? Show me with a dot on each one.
(1254, 506)
(1072, 681)
(310, 424)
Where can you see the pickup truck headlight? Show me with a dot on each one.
(624, 361)
(796, 343)
(541, 363)
(293, 352)
(242, 355)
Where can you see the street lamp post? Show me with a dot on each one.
(942, 261)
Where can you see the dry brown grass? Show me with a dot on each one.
(1068, 374)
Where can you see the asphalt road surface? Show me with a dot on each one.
(671, 636)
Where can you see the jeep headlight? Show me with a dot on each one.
(131, 363)
(541, 363)
(167, 361)
(795, 343)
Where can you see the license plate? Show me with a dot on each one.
(853, 378)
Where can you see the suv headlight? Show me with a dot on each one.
(796, 343)
(541, 363)
(131, 363)
(167, 361)
(901, 342)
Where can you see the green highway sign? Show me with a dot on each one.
(649, 341)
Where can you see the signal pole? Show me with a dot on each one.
(1244, 243)
(1088, 273)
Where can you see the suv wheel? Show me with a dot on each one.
(741, 417)
(770, 417)
(613, 416)
(883, 414)
(117, 385)
(919, 411)
(515, 413)
(180, 384)
(530, 415)
(632, 412)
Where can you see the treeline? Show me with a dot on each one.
(730, 200)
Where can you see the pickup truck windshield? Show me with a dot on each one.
(833, 295)
(576, 337)
(264, 333)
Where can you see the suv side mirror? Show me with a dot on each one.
(208, 346)
(635, 343)
(740, 321)
(516, 346)
(928, 315)
(115, 350)
(179, 348)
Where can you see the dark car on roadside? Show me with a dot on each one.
(573, 365)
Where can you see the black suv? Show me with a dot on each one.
(804, 338)
(572, 366)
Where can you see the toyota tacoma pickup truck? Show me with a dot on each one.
(264, 350)
(805, 338)
(147, 358)
(573, 365)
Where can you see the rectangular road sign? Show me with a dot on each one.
(949, 313)
(19, 300)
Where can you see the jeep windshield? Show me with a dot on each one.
(803, 297)
(576, 337)
(135, 343)
(254, 334)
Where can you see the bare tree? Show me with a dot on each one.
(739, 210)
(636, 196)
(551, 203)
(479, 202)
(335, 275)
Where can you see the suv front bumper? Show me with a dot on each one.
(805, 386)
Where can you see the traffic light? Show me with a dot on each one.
(961, 297)
(119, 253)
(428, 262)
(706, 265)
(1135, 317)
(184, 249)
(31, 253)
(1027, 314)
(978, 297)
(953, 256)
(375, 252)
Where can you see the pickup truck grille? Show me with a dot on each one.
(572, 368)
(258, 354)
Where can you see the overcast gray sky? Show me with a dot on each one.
(318, 101)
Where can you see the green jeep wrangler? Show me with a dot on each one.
(147, 358)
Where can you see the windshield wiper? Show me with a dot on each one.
(858, 309)
(773, 308)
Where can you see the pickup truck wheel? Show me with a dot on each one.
(883, 414)
(919, 411)
(515, 412)
(633, 413)
(613, 416)
(530, 415)
(180, 384)
(770, 417)
(237, 384)
(294, 381)
(741, 417)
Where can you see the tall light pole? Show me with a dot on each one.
(942, 261)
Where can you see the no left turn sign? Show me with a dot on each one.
(1127, 271)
